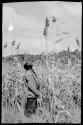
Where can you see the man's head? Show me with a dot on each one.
(28, 66)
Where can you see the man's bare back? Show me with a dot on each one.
(31, 81)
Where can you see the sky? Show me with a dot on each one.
(25, 22)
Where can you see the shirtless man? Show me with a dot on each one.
(33, 93)
(31, 79)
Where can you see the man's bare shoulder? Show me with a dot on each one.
(28, 73)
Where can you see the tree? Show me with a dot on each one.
(18, 46)
(5, 46)
(77, 42)
(53, 19)
(13, 43)
(68, 49)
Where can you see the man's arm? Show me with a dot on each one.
(33, 89)
(32, 85)
(36, 80)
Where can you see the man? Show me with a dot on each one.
(31, 83)
(31, 79)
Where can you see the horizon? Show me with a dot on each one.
(42, 53)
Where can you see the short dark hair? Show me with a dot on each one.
(28, 66)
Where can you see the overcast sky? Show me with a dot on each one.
(24, 21)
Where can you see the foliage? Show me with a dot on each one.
(60, 104)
